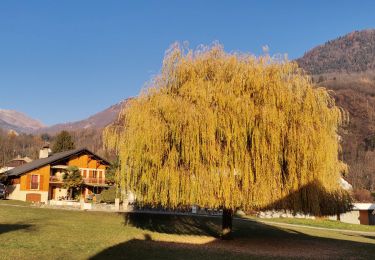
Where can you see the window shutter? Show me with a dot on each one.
(28, 181)
(41, 177)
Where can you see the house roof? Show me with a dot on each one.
(50, 160)
(345, 184)
(363, 206)
(19, 158)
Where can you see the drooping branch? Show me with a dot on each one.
(229, 131)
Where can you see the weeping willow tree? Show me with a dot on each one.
(228, 130)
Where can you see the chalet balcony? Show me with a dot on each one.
(93, 180)
(55, 179)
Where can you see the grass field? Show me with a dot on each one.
(36, 233)
(324, 223)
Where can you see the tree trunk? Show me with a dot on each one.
(227, 223)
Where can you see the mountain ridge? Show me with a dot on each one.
(21, 123)
(351, 53)
(96, 121)
(18, 121)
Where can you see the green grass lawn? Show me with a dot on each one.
(319, 222)
(15, 202)
(37, 233)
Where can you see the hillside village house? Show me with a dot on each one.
(41, 180)
(18, 161)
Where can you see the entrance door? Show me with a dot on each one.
(53, 193)
(371, 217)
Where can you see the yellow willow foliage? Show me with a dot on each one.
(232, 131)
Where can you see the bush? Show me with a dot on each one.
(370, 142)
(362, 195)
(108, 196)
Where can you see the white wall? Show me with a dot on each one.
(351, 217)
(16, 194)
(70, 203)
(61, 192)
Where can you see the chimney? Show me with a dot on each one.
(45, 151)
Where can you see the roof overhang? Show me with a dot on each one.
(59, 167)
(363, 206)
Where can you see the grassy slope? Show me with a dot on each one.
(35, 233)
(323, 223)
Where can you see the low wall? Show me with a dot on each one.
(282, 214)
(82, 205)
(65, 203)
(351, 217)
(104, 207)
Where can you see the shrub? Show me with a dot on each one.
(362, 195)
(108, 196)
(370, 142)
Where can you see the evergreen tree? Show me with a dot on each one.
(46, 137)
(231, 131)
(63, 142)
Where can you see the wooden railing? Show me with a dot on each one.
(85, 180)
(94, 180)
(55, 179)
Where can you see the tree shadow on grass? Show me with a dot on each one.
(4, 228)
(251, 239)
(174, 224)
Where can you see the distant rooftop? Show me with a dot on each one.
(55, 158)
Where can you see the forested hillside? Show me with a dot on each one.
(354, 52)
(347, 67)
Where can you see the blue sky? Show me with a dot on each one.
(65, 60)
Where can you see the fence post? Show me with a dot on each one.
(82, 203)
(117, 204)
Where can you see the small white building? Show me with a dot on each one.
(362, 213)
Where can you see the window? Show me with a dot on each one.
(34, 182)
(94, 174)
